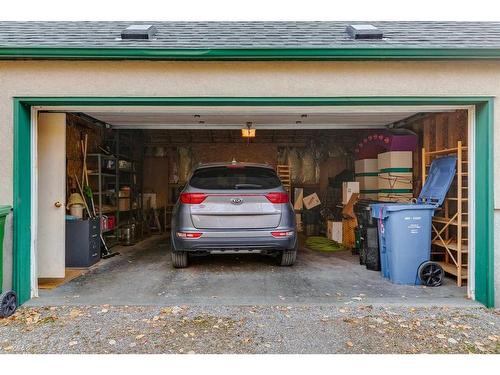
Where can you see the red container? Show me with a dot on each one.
(111, 222)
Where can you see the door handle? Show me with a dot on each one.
(58, 204)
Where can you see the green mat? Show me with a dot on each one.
(319, 243)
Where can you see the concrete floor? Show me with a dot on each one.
(143, 275)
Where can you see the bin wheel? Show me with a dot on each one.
(431, 274)
(8, 304)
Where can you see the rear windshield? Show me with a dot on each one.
(229, 178)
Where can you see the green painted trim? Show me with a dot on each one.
(366, 174)
(249, 53)
(484, 276)
(369, 191)
(252, 101)
(21, 256)
(397, 170)
(396, 191)
(484, 164)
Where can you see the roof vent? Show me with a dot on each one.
(139, 32)
(364, 32)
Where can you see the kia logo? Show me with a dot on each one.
(236, 200)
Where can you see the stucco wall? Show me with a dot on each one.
(156, 78)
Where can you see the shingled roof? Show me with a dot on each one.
(250, 35)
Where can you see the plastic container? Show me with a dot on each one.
(405, 239)
(4, 211)
(8, 298)
(405, 229)
(76, 210)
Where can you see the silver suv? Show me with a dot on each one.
(233, 208)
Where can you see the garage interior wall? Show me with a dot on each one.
(437, 131)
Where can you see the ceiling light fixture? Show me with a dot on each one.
(248, 132)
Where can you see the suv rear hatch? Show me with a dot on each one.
(235, 197)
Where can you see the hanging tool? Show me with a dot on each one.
(89, 196)
(106, 253)
(84, 201)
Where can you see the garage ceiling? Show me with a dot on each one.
(203, 119)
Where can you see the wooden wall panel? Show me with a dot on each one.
(437, 131)
(76, 128)
(252, 152)
(155, 180)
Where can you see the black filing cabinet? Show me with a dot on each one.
(82, 242)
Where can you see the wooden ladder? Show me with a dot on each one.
(284, 173)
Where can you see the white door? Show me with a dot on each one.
(51, 147)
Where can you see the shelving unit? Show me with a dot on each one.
(107, 175)
(103, 179)
(129, 176)
(450, 226)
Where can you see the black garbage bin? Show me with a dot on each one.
(369, 247)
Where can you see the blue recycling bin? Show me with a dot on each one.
(405, 229)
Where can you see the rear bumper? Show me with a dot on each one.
(255, 241)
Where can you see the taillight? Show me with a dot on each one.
(282, 233)
(278, 197)
(192, 198)
(189, 235)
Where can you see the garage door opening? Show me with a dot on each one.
(127, 167)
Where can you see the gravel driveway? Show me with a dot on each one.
(357, 328)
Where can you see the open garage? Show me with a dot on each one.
(123, 169)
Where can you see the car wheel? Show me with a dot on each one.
(179, 259)
(287, 257)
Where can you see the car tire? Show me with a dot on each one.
(287, 257)
(179, 259)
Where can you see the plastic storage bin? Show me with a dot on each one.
(405, 230)
(8, 299)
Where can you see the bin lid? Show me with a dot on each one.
(441, 174)
(4, 210)
(381, 210)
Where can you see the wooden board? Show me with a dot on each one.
(70, 274)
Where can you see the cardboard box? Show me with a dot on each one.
(347, 189)
(395, 159)
(367, 182)
(334, 230)
(311, 201)
(124, 204)
(402, 180)
(348, 233)
(371, 196)
(124, 193)
(366, 166)
(298, 196)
